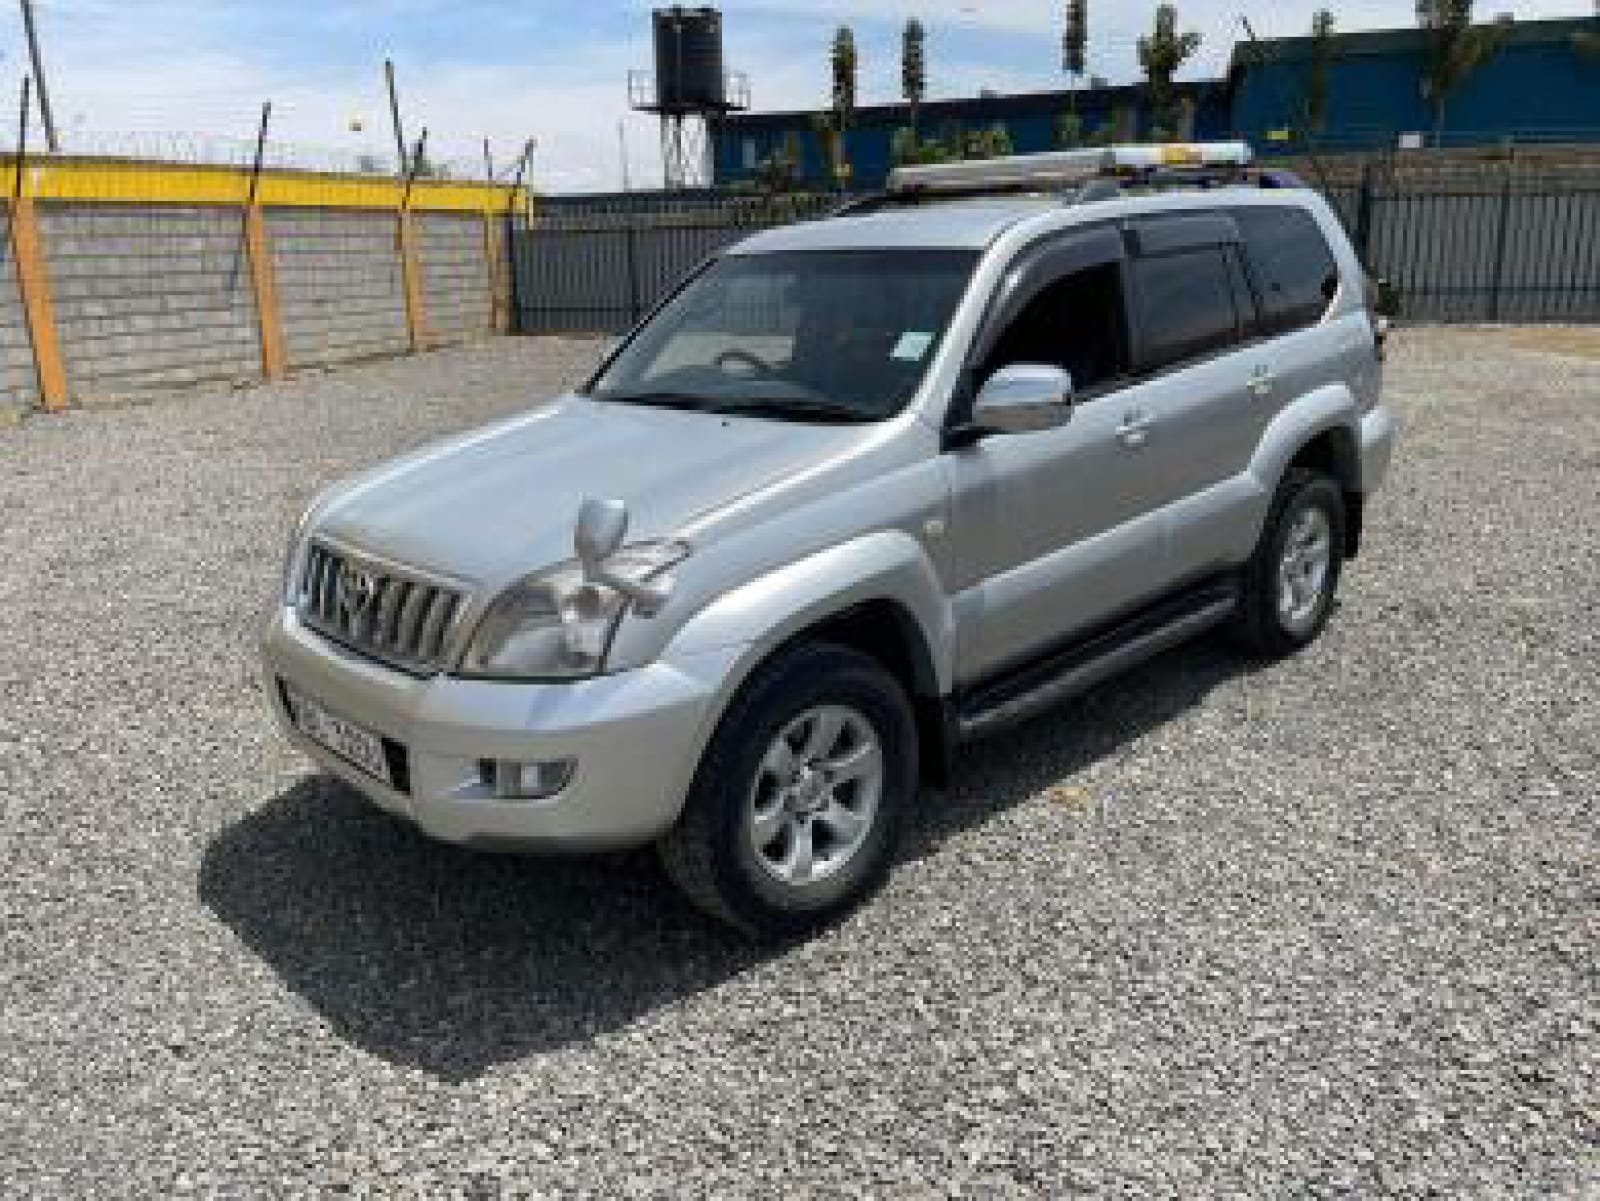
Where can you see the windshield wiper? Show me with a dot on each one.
(658, 399)
(816, 409)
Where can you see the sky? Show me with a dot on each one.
(189, 76)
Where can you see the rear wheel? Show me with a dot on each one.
(793, 812)
(1290, 581)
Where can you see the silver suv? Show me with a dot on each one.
(859, 490)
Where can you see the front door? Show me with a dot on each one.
(1051, 534)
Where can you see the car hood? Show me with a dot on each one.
(493, 504)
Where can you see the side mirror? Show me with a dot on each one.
(1024, 398)
(602, 526)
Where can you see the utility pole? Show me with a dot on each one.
(622, 151)
(45, 114)
(488, 161)
(394, 112)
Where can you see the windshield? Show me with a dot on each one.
(812, 335)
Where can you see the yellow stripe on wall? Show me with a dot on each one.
(114, 181)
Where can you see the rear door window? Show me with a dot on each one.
(1294, 270)
(1183, 307)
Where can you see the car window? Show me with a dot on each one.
(768, 333)
(1244, 299)
(1183, 304)
(1074, 323)
(1295, 271)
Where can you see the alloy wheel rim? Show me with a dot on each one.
(1303, 569)
(815, 795)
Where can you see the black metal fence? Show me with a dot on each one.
(600, 267)
(1484, 244)
(1501, 245)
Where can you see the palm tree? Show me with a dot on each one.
(1456, 49)
(913, 70)
(843, 62)
(1074, 62)
(1322, 52)
(1161, 55)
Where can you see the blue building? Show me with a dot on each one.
(1542, 85)
(1031, 122)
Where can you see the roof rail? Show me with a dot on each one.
(1055, 170)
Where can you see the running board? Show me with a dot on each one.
(1081, 666)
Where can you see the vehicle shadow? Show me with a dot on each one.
(452, 962)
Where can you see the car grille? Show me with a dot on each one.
(401, 619)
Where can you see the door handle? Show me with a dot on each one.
(1262, 382)
(1134, 431)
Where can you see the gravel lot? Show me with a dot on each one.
(1323, 928)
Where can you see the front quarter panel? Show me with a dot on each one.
(766, 612)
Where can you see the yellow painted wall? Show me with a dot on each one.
(126, 181)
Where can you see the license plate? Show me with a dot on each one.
(343, 737)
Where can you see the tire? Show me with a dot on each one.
(753, 810)
(1304, 537)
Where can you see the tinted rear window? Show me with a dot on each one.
(1293, 267)
(1184, 306)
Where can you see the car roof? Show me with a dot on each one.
(952, 225)
(976, 223)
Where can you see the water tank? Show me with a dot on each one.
(688, 59)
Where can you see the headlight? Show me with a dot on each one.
(558, 624)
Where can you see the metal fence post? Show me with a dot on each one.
(33, 280)
(264, 284)
(635, 309)
(1364, 206)
(1502, 246)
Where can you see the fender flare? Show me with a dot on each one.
(1332, 408)
(762, 614)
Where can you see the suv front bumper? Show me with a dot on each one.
(635, 738)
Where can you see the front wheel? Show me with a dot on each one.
(1290, 581)
(794, 809)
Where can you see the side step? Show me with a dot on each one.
(1086, 662)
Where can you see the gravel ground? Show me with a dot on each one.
(1323, 928)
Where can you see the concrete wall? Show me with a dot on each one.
(340, 287)
(149, 296)
(19, 386)
(455, 274)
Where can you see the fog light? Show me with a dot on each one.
(517, 780)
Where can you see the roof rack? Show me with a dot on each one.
(1078, 176)
(1056, 169)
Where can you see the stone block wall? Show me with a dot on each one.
(19, 384)
(455, 275)
(341, 291)
(149, 296)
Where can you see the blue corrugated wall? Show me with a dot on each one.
(1537, 88)
(1531, 92)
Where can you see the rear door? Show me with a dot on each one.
(1201, 402)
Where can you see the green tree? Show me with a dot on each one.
(906, 149)
(1074, 62)
(913, 69)
(1161, 55)
(1456, 49)
(1322, 54)
(1069, 130)
(843, 60)
(1075, 40)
